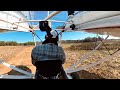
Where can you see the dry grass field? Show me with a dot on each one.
(21, 55)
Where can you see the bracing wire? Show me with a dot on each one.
(105, 46)
(36, 35)
(84, 58)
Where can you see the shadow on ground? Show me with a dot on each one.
(22, 67)
(83, 74)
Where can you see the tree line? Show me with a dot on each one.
(88, 39)
(13, 43)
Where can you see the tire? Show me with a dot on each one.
(75, 75)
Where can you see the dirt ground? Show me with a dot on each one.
(21, 55)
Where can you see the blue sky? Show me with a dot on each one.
(27, 36)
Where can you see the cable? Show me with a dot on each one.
(108, 57)
(86, 56)
(105, 46)
(36, 35)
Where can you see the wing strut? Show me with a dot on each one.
(86, 56)
(48, 17)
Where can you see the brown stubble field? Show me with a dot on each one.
(21, 55)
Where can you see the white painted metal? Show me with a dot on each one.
(69, 77)
(48, 13)
(48, 17)
(93, 15)
(106, 22)
(51, 15)
(17, 69)
(7, 19)
(49, 23)
(60, 40)
(24, 14)
(96, 19)
(4, 21)
(34, 39)
(41, 20)
(15, 77)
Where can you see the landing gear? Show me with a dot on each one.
(75, 75)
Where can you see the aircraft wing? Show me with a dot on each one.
(8, 21)
(20, 20)
(101, 22)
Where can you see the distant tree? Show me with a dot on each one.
(10, 43)
(29, 43)
(2, 43)
(94, 39)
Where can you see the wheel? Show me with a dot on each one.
(75, 75)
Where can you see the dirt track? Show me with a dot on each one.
(23, 57)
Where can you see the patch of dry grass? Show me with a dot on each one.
(109, 69)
